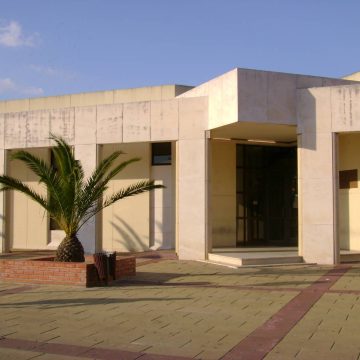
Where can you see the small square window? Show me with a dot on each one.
(348, 179)
(161, 153)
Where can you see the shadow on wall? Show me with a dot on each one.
(158, 239)
(127, 239)
(2, 233)
(344, 219)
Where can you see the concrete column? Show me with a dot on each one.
(3, 244)
(192, 179)
(208, 199)
(317, 178)
(316, 191)
(87, 154)
(192, 199)
(335, 153)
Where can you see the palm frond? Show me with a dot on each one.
(71, 200)
(97, 184)
(134, 189)
(10, 183)
(47, 175)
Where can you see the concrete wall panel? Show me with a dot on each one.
(17, 105)
(345, 108)
(91, 99)
(136, 122)
(2, 131)
(3, 213)
(253, 95)
(222, 93)
(15, 130)
(164, 120)
(191, 197)
(109, 124)
(38, 128)
(281, 98)
(85, 125)
(318, 247)
(192, 118)
(62, 123)
(50, 102)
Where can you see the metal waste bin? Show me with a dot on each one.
(105, 264)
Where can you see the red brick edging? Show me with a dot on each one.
(45, 270)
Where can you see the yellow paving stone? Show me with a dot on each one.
(60, 357)
(13, 354)
(178, 319)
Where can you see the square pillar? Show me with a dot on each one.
(318, 199)
(3, 245)
(191, 195)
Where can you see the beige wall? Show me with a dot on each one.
(135, 117)
(162, 208)
(223, 193)
(126, 225)
(130, 123)
(27, 222)
(349, 199)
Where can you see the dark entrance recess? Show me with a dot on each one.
(266, 188)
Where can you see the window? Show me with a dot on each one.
(161, 153)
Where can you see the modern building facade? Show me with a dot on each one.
(249, 159)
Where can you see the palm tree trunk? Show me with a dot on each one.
(70, 250)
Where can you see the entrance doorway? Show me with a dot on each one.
(266, 190)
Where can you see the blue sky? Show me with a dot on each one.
(50, 47)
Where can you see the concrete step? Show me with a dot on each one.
(255, 259)
(347, 257)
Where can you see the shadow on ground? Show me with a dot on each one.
(64, 303)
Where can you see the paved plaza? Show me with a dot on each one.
(183, 310)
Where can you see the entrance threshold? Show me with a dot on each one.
(349, 256)
(255, 256)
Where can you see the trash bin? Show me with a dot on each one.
(112, 264)
(105, 264)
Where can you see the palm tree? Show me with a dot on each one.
(72, 200)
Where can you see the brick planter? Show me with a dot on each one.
(46, 271)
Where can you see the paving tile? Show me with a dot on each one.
(325, 331)
(14, 354)
(186, 308)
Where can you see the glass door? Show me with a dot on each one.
(266, 196)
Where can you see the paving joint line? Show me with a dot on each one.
(235, 287)
(267, 336)
(98, 353)
(17, 290)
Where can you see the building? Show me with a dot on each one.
(250, 158)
